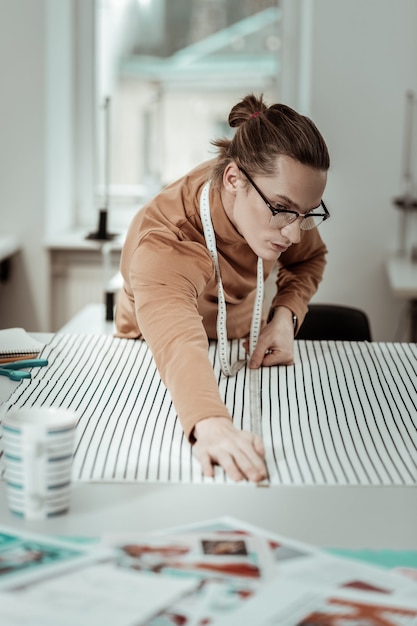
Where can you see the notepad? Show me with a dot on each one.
(16, 343)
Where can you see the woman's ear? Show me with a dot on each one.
(231, 178)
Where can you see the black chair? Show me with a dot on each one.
(335, 322)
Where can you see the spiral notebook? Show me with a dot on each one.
(16, 343)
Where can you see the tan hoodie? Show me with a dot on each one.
(169, 296)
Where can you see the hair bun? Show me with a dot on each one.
(248, 108)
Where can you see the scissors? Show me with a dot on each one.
(14, 370)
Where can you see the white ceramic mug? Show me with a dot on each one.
(38, 448)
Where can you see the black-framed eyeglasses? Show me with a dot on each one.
(282, 217)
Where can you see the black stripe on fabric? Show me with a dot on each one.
(72, 369)
(163, 438)
(340, 373)
(312, 348)
(311, 415)
(244, 399)
(94, 406)
(378, 420)
(136, 352)
(365, 418)
(222, 381)
(337, 420)
(109, 378)
(139, 377)
(78, 364)
(113, 417)
(402, 392)
(289, 426)
(141, 393)
(284, 401)
(359, 417)
(271, 372)
(305, 459)
(407, 354)
(171, 447)
(370, 368)
(145, 420)
(395, 411)
(155, 454)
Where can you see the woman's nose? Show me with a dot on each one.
(292, 231)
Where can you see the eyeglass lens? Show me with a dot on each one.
(307, 223)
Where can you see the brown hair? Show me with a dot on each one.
(265, 132)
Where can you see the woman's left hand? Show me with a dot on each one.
(276, 341)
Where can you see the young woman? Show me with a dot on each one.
(213, 236)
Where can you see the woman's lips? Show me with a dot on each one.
(279, 247)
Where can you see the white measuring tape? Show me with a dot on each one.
(227, 368)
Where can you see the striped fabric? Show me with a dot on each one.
(344, 414)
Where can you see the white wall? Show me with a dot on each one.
(23, 301)
(363, 58)
(36, 148)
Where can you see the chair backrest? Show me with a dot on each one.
(335, 322)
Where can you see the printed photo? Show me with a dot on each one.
(25, 557)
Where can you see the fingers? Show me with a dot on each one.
(258, 444)
(239, 453)
(206, 464)
(225, 460)
(255, 472)
(275, 346)
(264, 357)
(262, 350)
(231, 467)
(269, 356)
(237, 466)
(245, 462)
(272, 356)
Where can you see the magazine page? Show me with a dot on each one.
(229, 567)
(183, 551)
(101, 594)
(309, 563)
(292, 603)
(27, 557)
(201, 555)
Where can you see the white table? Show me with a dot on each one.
(325, 516)
(332, 516)
(91, 319)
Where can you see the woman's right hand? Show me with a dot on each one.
(239, 452)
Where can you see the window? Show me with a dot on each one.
(153, 83)
(167, 75)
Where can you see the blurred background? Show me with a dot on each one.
(104, 101)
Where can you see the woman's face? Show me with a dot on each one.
(294, 186)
